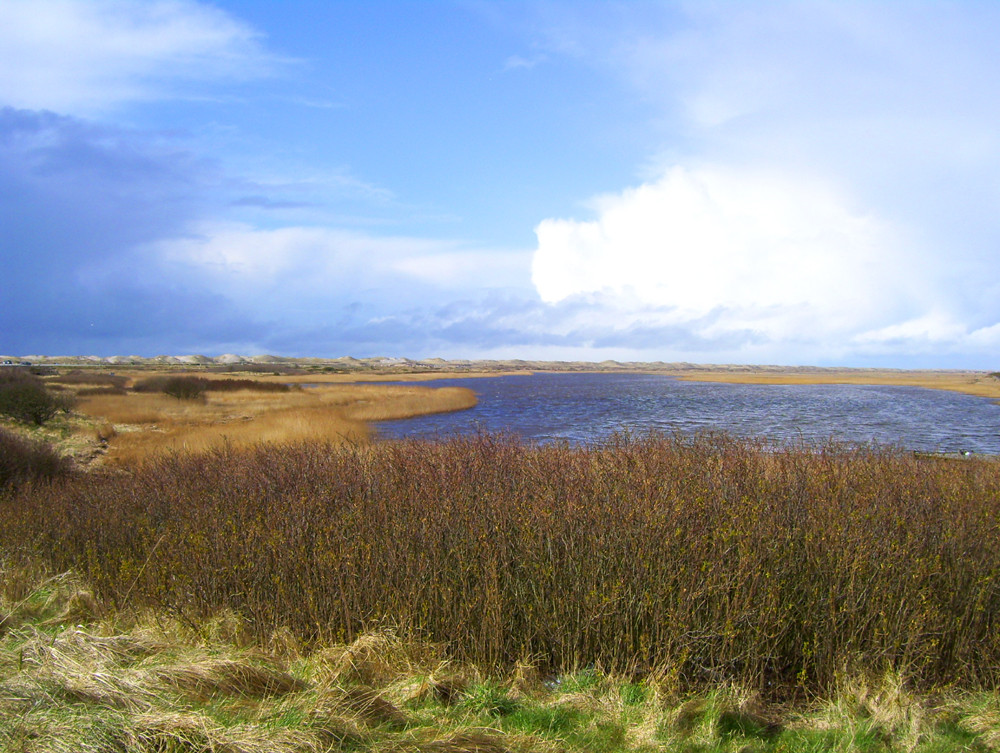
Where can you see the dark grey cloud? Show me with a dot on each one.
(502, 320)
(78, 202)
(75, 191)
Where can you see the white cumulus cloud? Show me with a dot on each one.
(778, 255)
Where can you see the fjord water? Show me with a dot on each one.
(584, 408)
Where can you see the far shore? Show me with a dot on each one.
(978, 383)
(343, 370)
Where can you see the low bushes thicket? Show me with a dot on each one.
(24, 460)
(92, 378)
(707, 559)
(192, 387)
(24, 397)
(257, 368)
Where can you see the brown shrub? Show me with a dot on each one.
(705, 559)
(186, 387)
(24, 460)
(24, 397)
(98, 379)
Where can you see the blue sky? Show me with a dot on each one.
(727, 182)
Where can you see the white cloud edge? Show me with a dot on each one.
(49, 58)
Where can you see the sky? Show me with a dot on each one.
(812, 183)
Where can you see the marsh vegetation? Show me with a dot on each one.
(78, 676)
(481, 593)
(123, 418)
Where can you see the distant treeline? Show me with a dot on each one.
(707, 559)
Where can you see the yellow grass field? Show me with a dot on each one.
(969, 382)
(137, 425)
(339, 407)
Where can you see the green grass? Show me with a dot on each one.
(151, 684)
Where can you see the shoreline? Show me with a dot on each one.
(977, 383)
(346, 370)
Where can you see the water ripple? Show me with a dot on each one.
(584, 408)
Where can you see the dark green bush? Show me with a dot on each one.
(23, 460)
(257, 368)
(185, 388)
(150, 384)
(85, 391)
(232, 385)
(180, 387)
(24, 397)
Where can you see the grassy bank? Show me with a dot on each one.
(979, 383)
(124, 418)
(75, 676)
(698, 561)
(148, 424)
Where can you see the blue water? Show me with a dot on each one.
(585, 408)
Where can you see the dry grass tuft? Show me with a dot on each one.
(208, 677)
(227, 627)
(364, 703)
(284, 644)
(81, 672)
(980, 715)
(450, 688)
(686, 717)
(335, 730)
(462, 741)
(80, 605)
(109, 649)
(374, 659)
(526, 680)
(61, 599)
(105, 432)
(884, 707)
(195, 732)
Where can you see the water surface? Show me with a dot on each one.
(583, 408)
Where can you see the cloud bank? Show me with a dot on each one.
(722, 251)
(767, 263)
(819, 185)
(826, 194)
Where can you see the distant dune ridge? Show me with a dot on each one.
(980, 383)
(441, 364)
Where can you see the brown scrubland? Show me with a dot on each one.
(250, 569)
(708, 559)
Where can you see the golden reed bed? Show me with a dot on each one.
(340, 407)
(136, 425)
(978, 383)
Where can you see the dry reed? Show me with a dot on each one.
(696, 560)
(139, 425)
